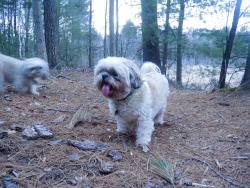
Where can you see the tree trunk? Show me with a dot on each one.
(105, 31)
(246, 77)
(179, 45)
(150, 32)
(111, 27)
(27, 27)
(51, 32)
(165, 42)
(39, 30)
(117, 29)
(90, 33)
(229, 45)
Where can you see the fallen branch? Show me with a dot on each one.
(217, 173)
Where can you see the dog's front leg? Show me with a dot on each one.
(143, 133)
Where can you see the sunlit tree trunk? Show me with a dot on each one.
(39, 30)
(229, 45)
(111, 27)
(90, 34)
(51, 32)
(180, 45)
(150, 32)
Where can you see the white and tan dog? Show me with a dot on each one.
(23, 75)
(138, 101)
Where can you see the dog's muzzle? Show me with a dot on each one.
(105, 76)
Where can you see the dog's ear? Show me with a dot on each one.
(134, 79)
(32, 71)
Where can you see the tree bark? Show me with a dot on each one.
(27, 27)
(39, 30)
(180, 45)
(90, 34)
(246, 76)
(51, 32)
(150, 32)
(111, 27)
(165, 42)
(105, 31)
(117, 28)
(229, 45)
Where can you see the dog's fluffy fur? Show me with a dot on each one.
(137, 100)
(149, 67)
(23, 75)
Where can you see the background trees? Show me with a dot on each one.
(150, 32)
(51, 32)
(164, 35)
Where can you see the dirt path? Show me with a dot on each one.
(203, 132)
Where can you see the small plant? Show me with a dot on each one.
(162, 168)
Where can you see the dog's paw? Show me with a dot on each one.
(145, 148)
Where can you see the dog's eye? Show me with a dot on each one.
(114, 74)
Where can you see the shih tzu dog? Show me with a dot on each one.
(137, 100)
(23, 75)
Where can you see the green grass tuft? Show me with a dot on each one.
(162, 168)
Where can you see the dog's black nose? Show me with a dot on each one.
(104, 76)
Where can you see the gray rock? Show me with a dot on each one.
(115, 155)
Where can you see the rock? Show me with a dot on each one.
(178, 175)
(3, 134)
(87, 145)
(86, 185)
(16, 173)
(107, 168)
(71, 181)
(30, 133)
(56, 142)
(185, 181)
(43, 131)
(37, 130)
(8, 183)
(155, 185)
(115, 155)
(74, 157)
(16, 127)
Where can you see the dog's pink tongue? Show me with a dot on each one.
(105, 90)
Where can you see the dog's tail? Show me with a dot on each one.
(149, 67)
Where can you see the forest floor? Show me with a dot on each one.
(206, 138)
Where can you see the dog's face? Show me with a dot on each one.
(116, 77)
(36, 68)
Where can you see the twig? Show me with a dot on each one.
(217, 173)
(178, 118)
(202, 185)
(61, 76)
(234, 141)
(61, 110)
(239, 157)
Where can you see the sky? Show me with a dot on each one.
(129, 9)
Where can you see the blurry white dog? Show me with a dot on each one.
(23, 75)
(138, 101)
